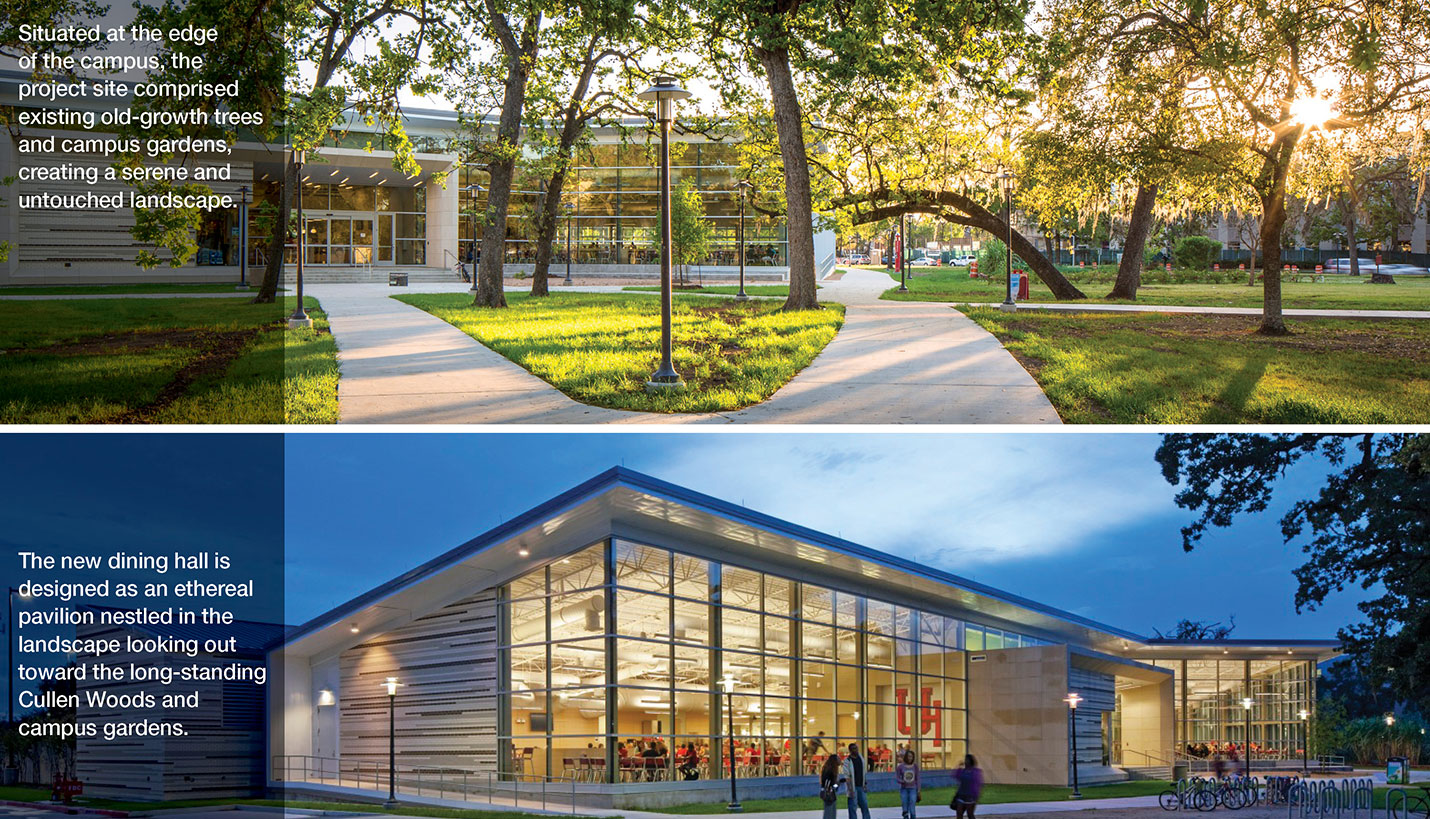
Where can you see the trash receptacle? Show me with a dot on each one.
(1179, 771)
(1397, 771)
(1023, 286)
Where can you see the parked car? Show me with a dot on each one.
(923, 261)
(857, 258)
(961, 261)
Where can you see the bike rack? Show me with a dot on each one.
(1390, 800)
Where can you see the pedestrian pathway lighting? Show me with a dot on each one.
(300, 316)
(1072, 699)
(1246, 703)
(743, 186)
(472, 218)
(391, 684)
(664, 94)
(242, 238)
(1007, 178)
(570, 208)
(1305, 738)
(728, 683)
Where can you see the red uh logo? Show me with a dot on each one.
(928, 716)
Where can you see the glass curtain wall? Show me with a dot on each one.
(1210, 716)
(346, 224)
(614, 218)
(616, 654)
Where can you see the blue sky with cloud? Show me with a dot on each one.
(1082, 521)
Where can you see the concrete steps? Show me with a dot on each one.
(1136, 772)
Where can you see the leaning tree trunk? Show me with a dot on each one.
(799, 210)
(502, 170)
(1274, 171)
(1129, 271)
(277, 243)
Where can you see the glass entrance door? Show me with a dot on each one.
(342, 240)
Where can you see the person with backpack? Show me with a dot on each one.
(855, 772)
(829, 780)
(970, 786)
(910, 788)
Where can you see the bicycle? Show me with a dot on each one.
(1414, 807)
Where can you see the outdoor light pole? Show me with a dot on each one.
(1246, 703)
(1305, 741)
(742, 186)
(391, 685)
(569, 209)
(728, 683)
(300, 316)
(903, 249)
(1007, 178)
(11, 775)
(664, 94)
(472, 217)
(242, 238)
(1072, 699)
(1389, 723)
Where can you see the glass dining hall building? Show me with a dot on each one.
(619, 635)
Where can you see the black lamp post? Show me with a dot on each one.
(391, 685)
(742, 186)
(903, 251)
(300, 318)
(1246, 703)
(1007, 178)
(570, 208)
(728, 683)
(1305, 741)
(472, 218)
(242, 238)
(11, 775)
(664, 94)
(1072, 699)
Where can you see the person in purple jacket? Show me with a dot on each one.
(970, 786)
(906, 773)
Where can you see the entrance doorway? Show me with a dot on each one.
(342, 240)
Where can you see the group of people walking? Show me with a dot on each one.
(851, 774)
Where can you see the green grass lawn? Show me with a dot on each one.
(722, 289)
(951, 284)
(118, 289)
(1184, 369)
(599, 348)
(937, 797)
(23, 794)
(162, 361)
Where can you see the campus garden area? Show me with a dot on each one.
(164, 360)
(600, 348)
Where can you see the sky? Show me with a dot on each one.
(1081, 521)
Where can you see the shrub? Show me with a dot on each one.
(1196, 252)
(992, 259)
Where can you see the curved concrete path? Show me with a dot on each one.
(891, 363)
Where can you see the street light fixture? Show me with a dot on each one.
(728, 683)
(391, 684)
(1072, 699)
(664, 94)
(1246, 703)
(1305, 739)
(742, 186)
(300, 318)
(472, 218)
(570, 208)
(242, 238)
(1007, 178)
(12, 774)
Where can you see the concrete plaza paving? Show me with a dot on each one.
(892, 363)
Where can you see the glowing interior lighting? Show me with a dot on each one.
(1313, 112)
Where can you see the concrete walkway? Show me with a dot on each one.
(893, 362)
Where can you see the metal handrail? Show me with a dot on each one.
(458, 265)
(825, 266)
(432, 781)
